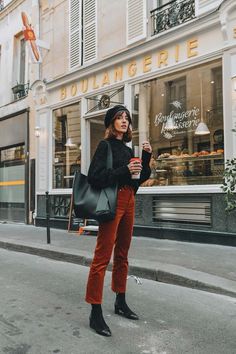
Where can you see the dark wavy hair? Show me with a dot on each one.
(111, 132)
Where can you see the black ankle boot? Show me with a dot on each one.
(121, 307)
(97, 322)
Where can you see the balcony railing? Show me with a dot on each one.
(172, 14)
(1, 5)
(20, 91)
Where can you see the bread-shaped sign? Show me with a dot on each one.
(29, 35)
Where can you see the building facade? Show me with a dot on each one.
(173, 65)
(17, 148)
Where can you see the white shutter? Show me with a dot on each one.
(75, 33)
(90, 30)
(136, 20)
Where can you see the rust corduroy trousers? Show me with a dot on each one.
(115, 234)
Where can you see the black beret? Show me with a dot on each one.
(110, 114)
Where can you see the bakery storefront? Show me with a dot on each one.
(177, 101)
(184, 123)
(181, 113)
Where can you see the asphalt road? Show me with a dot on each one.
(43, 311)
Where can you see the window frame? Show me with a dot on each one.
(179, 189)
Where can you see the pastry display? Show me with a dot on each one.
(164, 156)
(153, 182)
(202, 153)
(185, 166)
(195, 154)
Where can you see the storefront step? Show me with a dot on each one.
(188, 235)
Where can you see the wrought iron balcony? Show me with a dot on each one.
(1, 5)
(20, 90)
(172, 14)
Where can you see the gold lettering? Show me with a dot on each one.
(118, 73)
(192, 44)
(147, 61)
(95, 85)
(106, 80)
(177, 53)
(162, 58)
(63, 93)
(73, 90)
(84, 85)
(132, 69)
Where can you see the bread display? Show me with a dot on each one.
(186, 167)
(203, 153)
(195, 154)
(166, 155)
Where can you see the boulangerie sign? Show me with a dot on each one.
(177, 121)
(154, 61)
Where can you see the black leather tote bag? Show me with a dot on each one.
(93, 203)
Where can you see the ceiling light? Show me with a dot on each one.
(69, 143)
(202, 129)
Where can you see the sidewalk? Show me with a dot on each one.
(200, 266)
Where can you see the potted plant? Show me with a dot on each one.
(229, 184)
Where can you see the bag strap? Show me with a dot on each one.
(109, 155)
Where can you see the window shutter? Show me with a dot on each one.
(75, 33)
(136, 22)
(90, 30)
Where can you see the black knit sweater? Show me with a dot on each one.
(99, 176)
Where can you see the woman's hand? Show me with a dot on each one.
(147, 147)
(134, 167)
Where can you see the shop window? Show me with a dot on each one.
(182, 116)
(66, 145)
(12, 183)
(12, 156)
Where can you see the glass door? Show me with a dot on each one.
(97, 132)
(12, 184)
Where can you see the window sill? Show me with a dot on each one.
(191, 189)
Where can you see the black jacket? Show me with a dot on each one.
(99, 176)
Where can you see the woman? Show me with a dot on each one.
(118, 232)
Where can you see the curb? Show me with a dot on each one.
(142, 272)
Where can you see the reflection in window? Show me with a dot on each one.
(12, 156)
(105, 100)
(66, 145)
(167, 111)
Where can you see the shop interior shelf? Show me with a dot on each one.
(191, 158)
